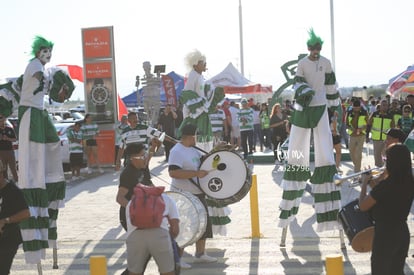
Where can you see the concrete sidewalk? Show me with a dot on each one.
(88, 225)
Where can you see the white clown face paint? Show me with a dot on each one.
(44, 55)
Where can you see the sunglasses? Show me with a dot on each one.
(141, 157)
(317, 48)
(407, 111)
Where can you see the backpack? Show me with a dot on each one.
(147, 206)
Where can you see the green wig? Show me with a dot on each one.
(39, 43)
(313, 39)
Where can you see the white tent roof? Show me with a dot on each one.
(230, 76)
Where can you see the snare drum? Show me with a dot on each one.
(193, 217)
(358, 226)
(229, 178)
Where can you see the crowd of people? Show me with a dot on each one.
(315, 117)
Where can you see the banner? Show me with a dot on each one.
(99, 74)
(97, 43)
(169, 88)
(100, 97)
(250, 89)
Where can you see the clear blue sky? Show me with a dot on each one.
(373, 39)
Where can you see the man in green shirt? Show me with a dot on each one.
(245, 116)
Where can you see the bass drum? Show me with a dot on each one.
(228, 180)
(193, 217)
(358, 226)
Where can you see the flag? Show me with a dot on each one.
(122, 109)
(169, 88)
(74, 71)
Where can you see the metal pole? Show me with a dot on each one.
(332, 36)
(254, 208)
(241, 39)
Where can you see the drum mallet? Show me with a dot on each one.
(97, 265)
(334, 265)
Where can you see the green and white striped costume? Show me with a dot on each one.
(41, 175)
(315, 90)
(199, 109)
(89, 131)
(245, 117)
(74, 147)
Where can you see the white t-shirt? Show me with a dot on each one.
(187, 158)
(170, 211)
(234, 116)
(30, 84)
(195, 82)
(314, 73)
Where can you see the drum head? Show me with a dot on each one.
(362, 242)
(358, 226)
(192, 215)
(227, 175)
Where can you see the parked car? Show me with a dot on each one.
(61, 129)
(79, 109)
(63, 114)
(74, 117)
(55, 119)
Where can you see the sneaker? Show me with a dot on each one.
(184, 265)
(81, 178)
(74, 178)
(101, 171)
(89, 171)
(205, 259)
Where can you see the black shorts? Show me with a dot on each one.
(336, 139)
(76, 159)
(209, 230)
(91, 142)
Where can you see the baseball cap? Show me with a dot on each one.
(396, 133)
(189, 130)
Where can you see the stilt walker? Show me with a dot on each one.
(41, 176)
(198, 101)
(315, 91)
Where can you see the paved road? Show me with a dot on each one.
(88, 225)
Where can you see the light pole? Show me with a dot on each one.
(241, 38)
(332, 36)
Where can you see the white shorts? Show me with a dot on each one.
(235, 131)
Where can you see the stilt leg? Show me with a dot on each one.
(283, 240)
(39, 269)
(55, 259)
(341, 237)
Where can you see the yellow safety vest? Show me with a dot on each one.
(361, 121)
(396, 117)
(380, 124)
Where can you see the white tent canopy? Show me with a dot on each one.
(230, 76)
(236, 85)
